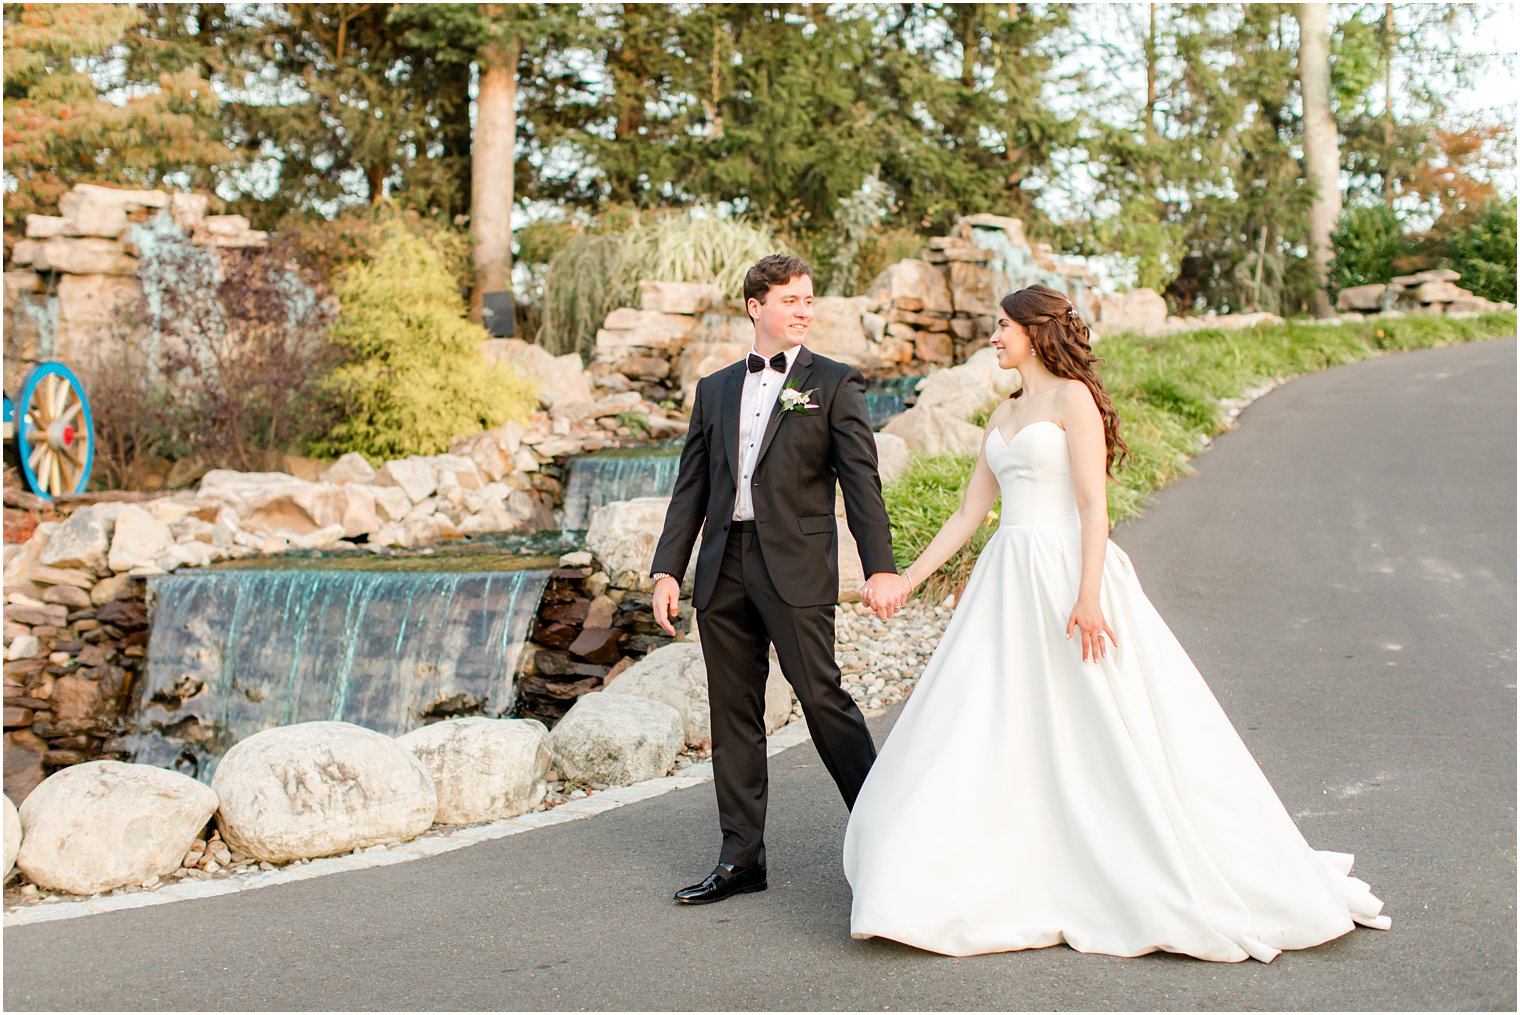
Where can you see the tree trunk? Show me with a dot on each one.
(491, 158)
(1321, 147)
(1388, 46)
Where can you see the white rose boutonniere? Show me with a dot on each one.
(794, 399)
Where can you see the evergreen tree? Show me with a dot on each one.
(60, 130)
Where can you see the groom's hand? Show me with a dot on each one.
(886, 593)
(667, 600)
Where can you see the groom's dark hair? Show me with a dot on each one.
(776, 269)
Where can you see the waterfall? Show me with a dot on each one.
(886, 397)
(238, 650)
(602, 478)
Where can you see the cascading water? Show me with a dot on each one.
(235, 650)
(608, 476)
(886, 397)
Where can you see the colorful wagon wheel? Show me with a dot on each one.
(55, 435)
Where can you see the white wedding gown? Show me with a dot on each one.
(1026, 798)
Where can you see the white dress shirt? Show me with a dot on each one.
(760, 393)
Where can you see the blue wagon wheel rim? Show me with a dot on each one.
(55, 433)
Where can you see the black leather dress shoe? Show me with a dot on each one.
(725, 880)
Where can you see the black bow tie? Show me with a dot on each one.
(778, 363)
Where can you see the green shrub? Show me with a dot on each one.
(1484, 252)
(1167, 389)
(1368, 243)
(414, 375)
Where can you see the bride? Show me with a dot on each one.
(1062, 773)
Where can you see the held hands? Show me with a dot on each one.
(1087, 616)
(885, 593)
(667, 599)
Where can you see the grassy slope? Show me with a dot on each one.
(1168, 391)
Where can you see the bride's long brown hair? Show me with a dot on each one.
(1062, 341)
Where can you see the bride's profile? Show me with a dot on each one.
(1062, 772)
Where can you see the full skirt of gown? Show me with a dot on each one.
(1027, 798)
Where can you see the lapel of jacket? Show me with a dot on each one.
(732, 393)
(797, 377)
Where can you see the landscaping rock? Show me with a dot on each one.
(483, 769)
(138, 538)
(678, 297)
(319, 788)
(892, 457)
(623, 536)
(617, 739)
(416, 478)
(98, 825)
(560, 379)
(1367, 298)
(84, 540)
(12, 836)
(912, 285)
(930, 431)
(351, 468)
(677, 675)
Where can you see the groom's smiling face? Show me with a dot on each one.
(785, 316)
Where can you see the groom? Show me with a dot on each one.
(769, 436)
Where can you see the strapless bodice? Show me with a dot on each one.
(1033, 471)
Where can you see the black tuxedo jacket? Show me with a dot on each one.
(801, 456)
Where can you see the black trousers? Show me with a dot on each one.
(744, 617)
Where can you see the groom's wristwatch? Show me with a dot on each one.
(658, 575)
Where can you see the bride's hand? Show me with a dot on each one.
(1097, 636)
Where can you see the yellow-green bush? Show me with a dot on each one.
(414, 376)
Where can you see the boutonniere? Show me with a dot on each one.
(794, 399)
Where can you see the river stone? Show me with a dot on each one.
(483, 769)
(12, 836)
(84, 540)
(137, 539)
(319, 788)
(101, 824)
(616, 739)
(677, 675)
(930, 431)
(623, 536)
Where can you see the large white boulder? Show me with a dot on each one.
(103, 824)
(912, 285)
(137, 539)
(84, 540)
(892, 457)
(975, 386)
(677, 675)
(483, 769)
(413, 475)
(623, 536)
(12, 836)
(930, 431)
(318, 788)
(560, 379)
(838, 333)
(617, 739)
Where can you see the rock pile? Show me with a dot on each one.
(76, 625)
(1425, 292)
(75, 270)
(918, 314)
